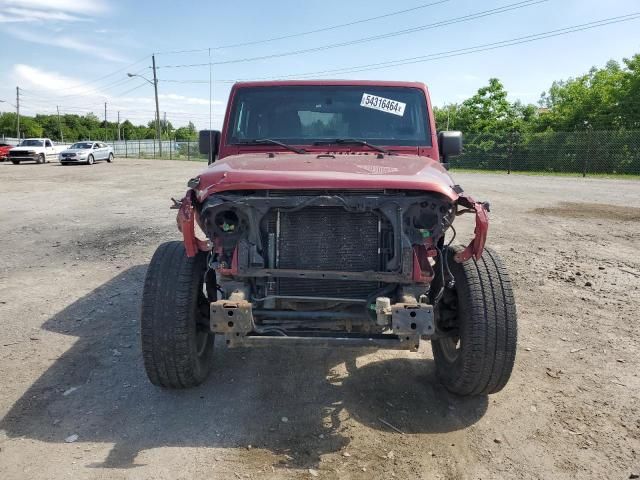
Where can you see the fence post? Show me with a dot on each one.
(588, 154)
(126, 151)
(189, 151)
(170, 151)
(510, 152)
(154, 149)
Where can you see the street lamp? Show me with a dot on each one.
(155, 88)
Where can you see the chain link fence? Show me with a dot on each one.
(586, 152)
(582, 153)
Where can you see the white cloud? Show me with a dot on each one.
(52, 82)
(50, 11)
(84, 7)
(22, 15)
(68, 43)
(48, 89)
(188, 100)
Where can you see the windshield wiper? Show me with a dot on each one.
(263, 141)
(354, 141)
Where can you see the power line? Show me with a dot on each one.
(309, 32)
(105, 76)
(442, 23)
(460, 51)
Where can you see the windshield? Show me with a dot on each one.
(81, 145)
(31, 143)
(302, 115)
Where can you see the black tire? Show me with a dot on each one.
(110, 159)
(177, 344)
(15, 162)
(41, 158)
(480, 314)
(90, 160)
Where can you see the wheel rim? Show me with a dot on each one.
(202, 322)
(451, 348)
(449, 325)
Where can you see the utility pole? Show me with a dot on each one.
(105, 121)
(118, 125)
(18, 111)
(155, 86)
(59, 124)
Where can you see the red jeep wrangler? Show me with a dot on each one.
(325, 218)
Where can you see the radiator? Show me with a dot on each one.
(326, 238)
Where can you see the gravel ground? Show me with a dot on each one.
(75, 402)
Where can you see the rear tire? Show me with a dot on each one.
(177, 344)
(480, 313)
(15, 162)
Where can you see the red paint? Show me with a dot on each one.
(262, 167)
(4, 151)
(422, 271)
(346, 171)
(475, 248)
(186, 224)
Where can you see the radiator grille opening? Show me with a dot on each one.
(327, 238)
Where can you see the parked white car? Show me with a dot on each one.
(39, 150)
(86, 152)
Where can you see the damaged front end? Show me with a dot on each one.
(326, 267)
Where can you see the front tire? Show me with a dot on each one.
(40, 159)
(177, 344)
(479, 316)
(90, 160)
(110, 159)
(15, 162)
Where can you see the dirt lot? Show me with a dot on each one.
(75, 245)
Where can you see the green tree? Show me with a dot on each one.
(603, 99)
(187, 133)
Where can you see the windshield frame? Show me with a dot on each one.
(423, 139)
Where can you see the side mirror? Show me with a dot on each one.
(209, 144)
(450, 145)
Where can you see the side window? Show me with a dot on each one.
(96, 145)
(47, 143)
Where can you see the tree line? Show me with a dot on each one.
(587, 124)
(83, 127)
(605, 98)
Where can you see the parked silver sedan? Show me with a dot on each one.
(86, 152)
